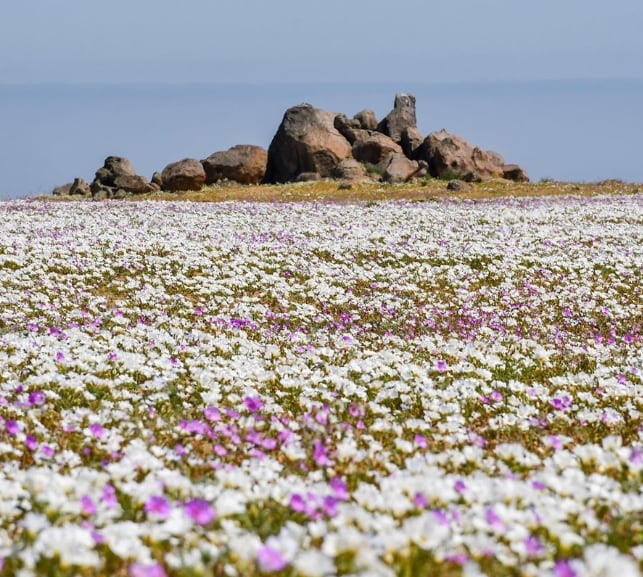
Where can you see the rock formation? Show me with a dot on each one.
(244, 163)
(306, 141)
(183, 175)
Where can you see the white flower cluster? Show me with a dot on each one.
(450, 388)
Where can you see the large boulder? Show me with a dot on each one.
(451, 156)
(350, 170)
(243, 163)
(515, 173)
(118, 174)
(306, 141)
(398, 168)
(62, 190)
(373, 147)
(186, 174)
(401, 118)
(80, 188)
(113, 167)
(367, 119)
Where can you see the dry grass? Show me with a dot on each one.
(431, 189)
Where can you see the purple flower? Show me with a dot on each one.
(561, 403)
(493, 520)
(319, 454)
(12, 427)
(158, 505)
(31, 442)
(109, 496)
(460, 486)
(564, 569)
(297, 503)
(200, 511)
(212, 413)
(329, 506)
(60, 357)
(253, 404)
(47, 451)
(420, 501)
(86, 502)
(441, 365)
(270, 559)
(420, 441)
(36, 398)
(97, 430)
(533, 546)
(142, 570)
(339, 487)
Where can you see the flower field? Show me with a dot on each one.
(302, 389)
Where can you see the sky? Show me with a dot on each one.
(268, 41)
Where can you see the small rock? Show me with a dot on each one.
(308, 177)
(183, 175)
(459, 186)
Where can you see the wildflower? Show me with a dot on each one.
(270, 559)
(142, 570)
(253, 404)
(12, 427)
(88, 505)
(36, 398)
(319, 454)
(31, 442)
(200, 511)
(158, 505)
(563, 568)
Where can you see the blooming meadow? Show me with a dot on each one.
(393, 388)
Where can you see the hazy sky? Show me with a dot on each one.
(318, 40)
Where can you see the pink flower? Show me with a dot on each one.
(441, 365)
(420, 501)
(339, 487)
(142, 570)
(495, 521)
(109, 496)
(60, 357)
(533, 546)
(97, 430)
(319, 454)
(460, 486)
(86, 502)
(200, 511)
(212, 413)
(12, 427)
(36, 398)
(270, 559)
(253, 404)
(564, 569)
(158, 505)
(420, 441)
(31, 442)
(297, 503)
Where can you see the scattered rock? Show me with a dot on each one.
(244, 163)
(514, 172)
(186, 174)
(308, 177)
(133, 184)
(373, 147)
(349, 170)
(345, 186)
(80, 188)
(367, 119)
(401, 118)
(117, 173)
(306, 141)
(449, 155)
(459, 185)
(62, 190)
(398, 168)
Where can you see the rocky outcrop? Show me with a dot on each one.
(350, 170)
(397, 168)
(244, 163)
(450, 156)
(118, 179)
(401, 118)
(367, 119)
(313, 144)
(373, 147)
(306, 141)
(183, 175)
